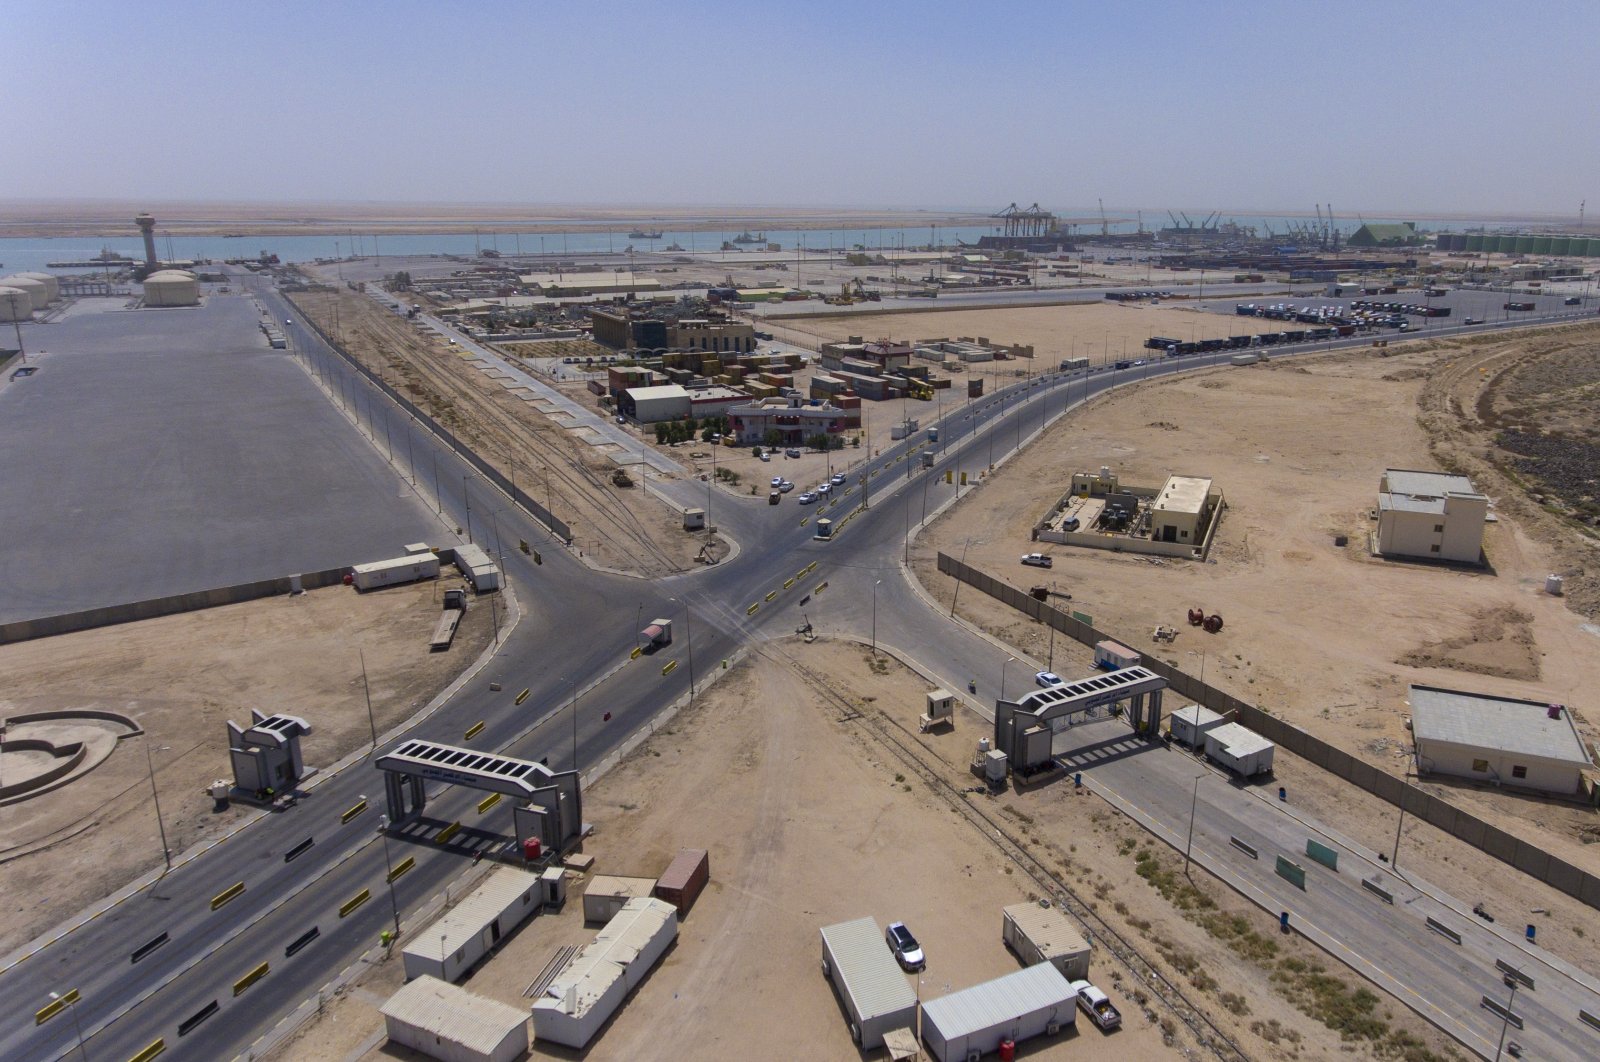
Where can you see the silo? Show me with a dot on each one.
(1560, 244)
(37, 294)
(1524, 244)
(1541, 245)
(14, 304)
(52, 286)
(1506, 244)
(171, 287)
(1594, 249)
(1475, 243)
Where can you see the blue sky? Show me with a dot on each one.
(1399, 107)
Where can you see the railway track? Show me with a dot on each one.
(900, 742)
(462, 398)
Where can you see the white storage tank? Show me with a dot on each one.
(15, 305)
(52, 286)
(38, 294)
(171, 287)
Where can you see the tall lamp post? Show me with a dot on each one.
(166, 853)
(388, 865)
(1009, 661)
(1194, 800)
(875, 583)
(72, 1005)
(1405, 784)
(1512, 980)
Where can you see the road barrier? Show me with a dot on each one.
(488, 802)
(522, 696)
(1323, 854)
(638, 650)
(1499, 1010)
(1512, 972)
(473, 731)
(1372, 886)
(302, 940)
(1589, 1019)
(55, 1006)
(751, 611)
(447, 833)
(249, 979)
(148, 946)
(671, 666)
(352, 904)
(353, 811)
(1292, 872)
(1444, 930)
(404, 865)
(160, 1046)
(192, 1022)
(1248, 850)
(820, 587)
(788, 583)
(772, 595)
(298, 850)
(226, 895)
(1525, 855)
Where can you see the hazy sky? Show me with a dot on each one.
(1446, 105)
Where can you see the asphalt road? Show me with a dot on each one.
(571, 652)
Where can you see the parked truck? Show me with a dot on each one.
(444, 632)
(1097, 1005)
(657, 635)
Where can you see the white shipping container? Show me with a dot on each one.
(872, 987)
(1191, 723)
(1240, 750)
(394, 571)
(454, 942)
(1036, 1001)
(475, 564)
(1114, 655)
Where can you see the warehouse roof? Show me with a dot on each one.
(1504, 723)
(644, 394)
(453, 1014)
(995, 1002)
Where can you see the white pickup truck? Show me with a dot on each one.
(1095, 1003)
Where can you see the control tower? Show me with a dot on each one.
(147, 229)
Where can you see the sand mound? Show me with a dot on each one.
(1500, 643)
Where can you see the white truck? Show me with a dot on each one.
(1097, 1005)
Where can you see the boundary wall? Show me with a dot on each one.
(1522, 854)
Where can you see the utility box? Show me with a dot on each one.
(1043, 934)
(941, 710)
(694, 519)
(553, 888)
(994, 767)
(824, 529)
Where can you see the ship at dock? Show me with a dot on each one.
(105, 259)
(641, 234)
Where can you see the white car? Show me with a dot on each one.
(824, 488)
(1097, 1005)
(777, 481)
(1047, 679)
(1037, 560)
(807, 498)
(785, 487)
(905, 947)
(837, 479)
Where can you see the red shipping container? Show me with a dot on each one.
(683, 879)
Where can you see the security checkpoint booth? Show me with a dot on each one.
(548, 808)
(1032, 730)
(266, 757)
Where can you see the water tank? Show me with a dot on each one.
(38, 294)
(983, 746)
(171, 287)
(15, 305)
(1552, 585)
(52, 286)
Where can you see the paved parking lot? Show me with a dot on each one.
(162, 451)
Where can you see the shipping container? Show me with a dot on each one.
(685, 876)
(606, 895)
(1191, 723)
(393, 572)
(480, 571)
(1114, 655)
(876, 997)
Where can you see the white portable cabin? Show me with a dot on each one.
(1114, 655)
(607, 895)
(394, 571)
(450, 946)
(1191, 723)
(1242, 751)
(1044, 934)
(872, 987)
(594, 984)
(441, 1021)
(478, 568)
(1036, 1001)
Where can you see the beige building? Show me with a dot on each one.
(1503, 740)
(1180, 512)
(712, 336)
(1430, 515)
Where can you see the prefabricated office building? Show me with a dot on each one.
(1034, 1001)
(442, 1021)
(454, 943)
(876, 997)
(1044, 934)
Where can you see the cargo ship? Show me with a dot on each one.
(747, 237)
(641, 234)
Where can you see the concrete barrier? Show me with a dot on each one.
(1499, 1010)
(1372, 886)
(1292, 872)
(1511, 971)
(1323, 854)
(1444, 930)
(1245, 848)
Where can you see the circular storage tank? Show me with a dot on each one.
(52, 286)
(171, 287)
(1559, 244)
(1475, 242)
(1541, 245)
(1523, 244)
(15, 305)
(38, 295)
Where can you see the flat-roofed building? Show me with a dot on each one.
(439, 1020)
(792, 418)
(589, 283)
(1430, 515)
(1181, 511)
(1503, 740)
(712, 336)
(650, 404)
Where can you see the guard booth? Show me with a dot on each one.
(266, 757)
(548, 808)
(1031, 730)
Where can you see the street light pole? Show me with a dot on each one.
(166, 853)
(72, 1005)
(1505, 1019)
(875, 616)
(1405, 783)
(394, 905)
(367, 690)
(1188, 847)
(467, 498)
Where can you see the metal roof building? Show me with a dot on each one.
(872, 987)
(1430, 515)
(1036, 1001)
(450, 1023)
(450, 947)
(585, 994)
(1497, 739)
(1044, 934)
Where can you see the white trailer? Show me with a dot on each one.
(394, 571)
(1242, 751)
(876, 997)
(478, 568)
(1044, 934)
(1036, 1001)
(1245, 359)
(1113, 656)
(1191, 723)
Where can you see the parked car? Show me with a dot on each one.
(1472, 320)
(777, 481)
(1037, 560)
(837, 479)
(824, 488)
(765, 456)
(786, 486)
(24, 372)
(791, 452)
(905, 947)
(1097, 1005)
(807, 498)
(1047, 679)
